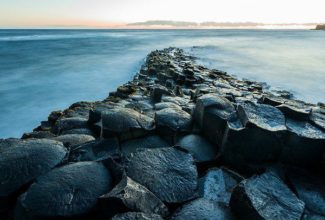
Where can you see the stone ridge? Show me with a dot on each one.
(179, 141)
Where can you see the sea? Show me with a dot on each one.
(46, 70)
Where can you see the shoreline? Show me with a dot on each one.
(173, 130)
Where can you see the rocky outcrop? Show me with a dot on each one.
(179, 141)
(320, 27)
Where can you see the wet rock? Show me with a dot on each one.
(73, 140)
(97, 150)
(203, 209)
(309, 189)
(152, 141)
(199, 147)
(271, 100)
(211, 114)
(217, 184)
(158, 92)
(8, 143)
(265, 197)
(68, 191)
(260, 141)
(65, 124)
(125, 123)
(163, 105)
(129, 195)
(26, 160)
(171, 120)
(38, 135)
(317, 117)
(304, 143)
(167, 172)
(85, 131)
(310, 216)
(137, 216)
(296, 111)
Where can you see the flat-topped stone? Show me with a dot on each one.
(261, 116)
(167, 172)
(265, 197)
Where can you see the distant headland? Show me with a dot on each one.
(320, 27)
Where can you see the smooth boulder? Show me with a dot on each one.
(25, 160)
(167, 172)
(68, 191)
(73, 140)
(265, 197)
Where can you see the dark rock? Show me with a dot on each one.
(158, 92)
(8, 143)
(26, 160)
(295, 110)
(171, 120)
(152, 141)
(265, 197)
(317, 117)
(163, 105)
(73, 140)
(129, 195)
(38, 135)
(310, 216)
(137, 216)
(85, 131)
(65, 124)
(217, 184)
(125, 123)
(304, 143)
(211, 114)
(97, 150)
(311, 190)
(55, 115)
(68, 191)
(261, 140)
(199, 147)
(167, 172)
(203, 209)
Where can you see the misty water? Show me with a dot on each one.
(46, 70)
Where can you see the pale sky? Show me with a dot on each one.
(93, 12)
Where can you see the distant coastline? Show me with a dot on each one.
(320, 27)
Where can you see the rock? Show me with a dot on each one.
(265, 197)
(203, 209)
(320, 27)
(211, 114)
(85, 131)
(167, 172)
(152, 141)
(125, 123)
(309, 216)
(304, 143)
(158, 92)
(217, 185)
(129, 195)
(26, 160)
(311, 190)
(199, 147)
(73, 140)
(38, 135)
(68, 191)
(295, 110)
(65, 124)
(136, 216)
(170, 120)
(8, 143)
(97, 150)
(259, 142)
(163, 105)
(317, 117)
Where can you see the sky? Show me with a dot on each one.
(14, 13)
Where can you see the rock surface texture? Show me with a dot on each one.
(179, 141)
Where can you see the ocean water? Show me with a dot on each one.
(46, 70)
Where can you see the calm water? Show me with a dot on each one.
(46, 70)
